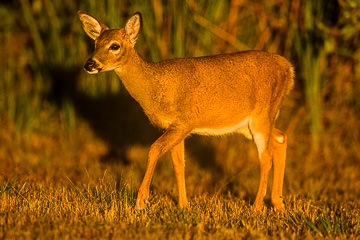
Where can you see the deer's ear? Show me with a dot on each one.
(133, 27)
(92, 27)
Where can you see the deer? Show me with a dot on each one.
(211, 95)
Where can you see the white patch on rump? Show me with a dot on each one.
(280, 139)
(223, 130)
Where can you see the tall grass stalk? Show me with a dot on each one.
(312, 77)
(309, 49)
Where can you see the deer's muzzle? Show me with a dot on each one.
(91, 66)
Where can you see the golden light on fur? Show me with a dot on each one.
(213, 95)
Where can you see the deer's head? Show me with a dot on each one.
(111, 45)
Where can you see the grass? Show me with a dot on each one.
(58, 194)
(105, 209)
(73, 147)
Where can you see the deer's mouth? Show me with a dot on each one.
(93, 71)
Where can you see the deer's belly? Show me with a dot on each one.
(226, 129)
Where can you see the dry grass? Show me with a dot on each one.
(62, 190)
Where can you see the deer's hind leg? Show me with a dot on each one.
(278, 152)
(261, 131)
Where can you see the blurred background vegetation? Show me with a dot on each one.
(53, 111)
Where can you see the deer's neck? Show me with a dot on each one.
(135, 74)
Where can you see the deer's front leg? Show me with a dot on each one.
(177, 155)
(172, 137)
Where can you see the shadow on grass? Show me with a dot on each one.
(205, 155)
(116, 118)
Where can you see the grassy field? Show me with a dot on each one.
(73, 147)
(58, 188)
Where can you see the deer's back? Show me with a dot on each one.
(219, 89)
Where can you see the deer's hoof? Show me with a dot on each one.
(257, 206)
(279, 206)
(141, 204)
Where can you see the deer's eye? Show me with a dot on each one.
(115, 46)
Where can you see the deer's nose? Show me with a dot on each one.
(89, 65)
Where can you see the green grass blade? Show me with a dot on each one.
(312, 226)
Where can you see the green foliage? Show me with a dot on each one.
(51, 44)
